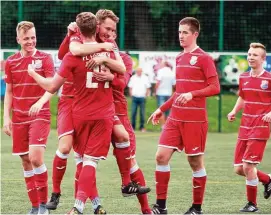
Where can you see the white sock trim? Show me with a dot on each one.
(134, 169)
(253, 182)
(200, 173)
(62, 156)
(163, 168)
(122, 145)
(41, 169)
(29, 173)
(90, 163)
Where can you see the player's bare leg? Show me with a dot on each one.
(199, 182)
(59, 169)
(162, 176)
(36, 156)
(264, 178)
(29, 177)
(122, 152)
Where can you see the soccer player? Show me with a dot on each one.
(92, 112)
(186, 127)
(64, 124)
(28, 129)
(255, 100)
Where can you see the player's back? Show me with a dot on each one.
(25, 90)
(93, 99)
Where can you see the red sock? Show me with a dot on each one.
(198, 189)
(59, 169)
(41, 178)
(138, 177)
(252, 194)
(162, 179)
(31, 189)
(76, 179)
(123, 163)
(86, 183)
(263, 177)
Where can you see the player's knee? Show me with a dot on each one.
(64, 149)
(239, 170)
(122, 137)
(65, 144)
(36, 161)
(161, 159)
(249, 168)
(26, 163)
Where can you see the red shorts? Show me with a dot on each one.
(36, 134)
(92, 137)
(250, 151)
(64, 117)
(187, 136)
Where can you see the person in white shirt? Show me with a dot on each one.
(139, 89)
(164, 86)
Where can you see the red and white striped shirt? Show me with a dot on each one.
(25, 90)
(256, 93)
(195, 73)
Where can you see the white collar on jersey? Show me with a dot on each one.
(22, 55)
(192, 50)
(253, 75)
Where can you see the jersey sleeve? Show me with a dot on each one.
(208, 67)
(48, 65)
(8, 78)
(66, 66)
(128, 62)
(64, 47)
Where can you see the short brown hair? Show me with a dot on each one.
(258, 45)
(86, 22)
(25, 26)
(102, 14)
(192, 22)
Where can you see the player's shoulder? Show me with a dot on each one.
(244, 74)
(125, 56)
(16, 56)
(42, 54)
(267, 74)
(201, 53)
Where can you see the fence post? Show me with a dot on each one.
(20, 10)
(122, 24)
(220, 48)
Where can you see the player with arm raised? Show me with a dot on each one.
(30, 124)
(186, 127)
(255, 100)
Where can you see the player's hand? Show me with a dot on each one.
(108, 46)
(155, 117)
(35, 109)
(104, 75)
(96, 61)
(267, 117)
(231, 116)
(72, 28)
(183, 98)
(31, 69)
(7, 126)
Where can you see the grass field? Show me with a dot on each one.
(225, 192)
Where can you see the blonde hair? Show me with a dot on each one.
(258, 45)
(25, 26)
(103, 14)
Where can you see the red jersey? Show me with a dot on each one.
(93, 99)
(25, 90)
(256, 93)
(194, 70)
(119, 83)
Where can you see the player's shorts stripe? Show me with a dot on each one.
(26, 111)
(21, 153)
(26, 122)
(170, 147)
(66, 133)
(248, 161)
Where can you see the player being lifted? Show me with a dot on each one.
(255, 100)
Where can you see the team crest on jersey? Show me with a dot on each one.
(193, 60)
(38, 64)
(264, 84)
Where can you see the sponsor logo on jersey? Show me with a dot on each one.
(264, 84)
(193, 60)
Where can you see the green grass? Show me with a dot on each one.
(228, 102)
(225, 191)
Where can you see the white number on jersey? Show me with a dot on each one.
(90, 83)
